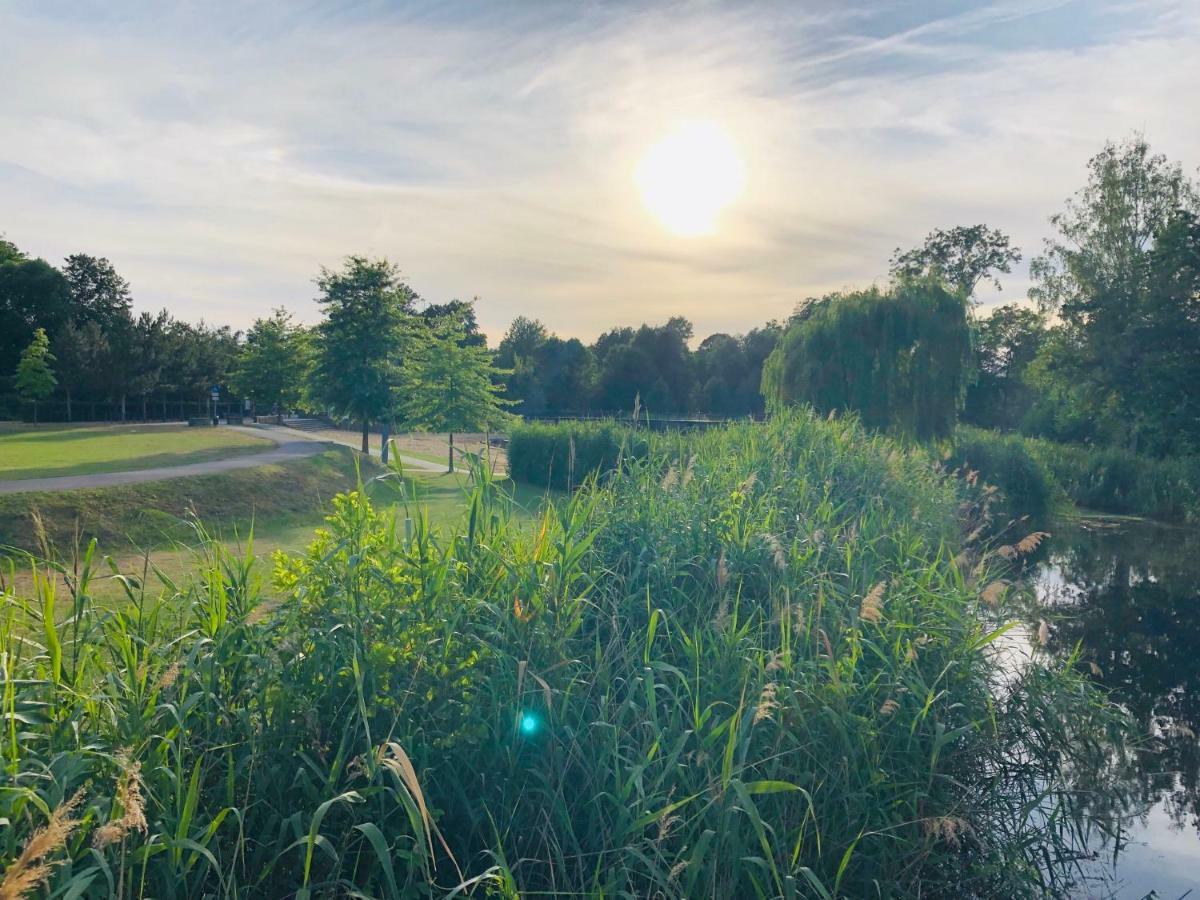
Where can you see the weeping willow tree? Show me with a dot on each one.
(898, 358)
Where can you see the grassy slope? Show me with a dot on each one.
(149, 524)
(52, 451)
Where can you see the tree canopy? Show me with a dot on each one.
(897, 358)
(360, 343)
(962, 257)
(451, 384)
(273, 365)
(35, 378)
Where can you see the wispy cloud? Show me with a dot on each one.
(221, 154)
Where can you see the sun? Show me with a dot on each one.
(689, 176)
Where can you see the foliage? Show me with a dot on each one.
(1114, 480)
(450, 384)
(360, 342)
(274, 362)
(1122, 276)
(461, 314)
(35, 378)
(98, 293)
(1006, 341)
(750, 667)
(1026, 486)
(961, 257)
(729, 372)
(897, 359)
(565, 455)
(33, 294)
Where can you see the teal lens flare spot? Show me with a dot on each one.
(529, 724)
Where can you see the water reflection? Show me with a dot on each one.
(1129, 594)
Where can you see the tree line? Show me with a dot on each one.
(1105, 350)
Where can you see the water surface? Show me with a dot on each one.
(1129, 594)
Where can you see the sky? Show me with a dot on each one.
(220, 154)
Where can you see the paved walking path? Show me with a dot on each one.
(289, 444)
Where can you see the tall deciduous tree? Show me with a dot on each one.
(1122, 305)
(35, 378)
(82, 351)
(33, 294)
(452, 385)
(1006, 342)
(1107, 229)
(962, 257)
(359, 344)
(98, 293)
(897, 359)
(274, 362)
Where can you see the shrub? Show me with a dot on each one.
(1108, 479)
(564, 455)
(1026, 486)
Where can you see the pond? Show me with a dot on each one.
(1128, 594)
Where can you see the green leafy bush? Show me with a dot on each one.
(1108, 479)
(564, 455)
(751, 664)
(1026, 486)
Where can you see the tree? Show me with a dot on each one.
(35, 379)
(1119, 364)
(1108, 227)
(452, 385)
(98, 293)
(653, 363)
(273, 363)
(82, 350)
(148, 350)
(1006, 342)
(359, 344)
(523, 339)
(897, 359)
(462, 313)
(33, 294)
(961, 257)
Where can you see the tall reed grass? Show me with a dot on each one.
(756, 663)
(1112, 480)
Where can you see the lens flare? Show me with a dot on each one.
(529, 724)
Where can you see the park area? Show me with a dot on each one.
(51, 451)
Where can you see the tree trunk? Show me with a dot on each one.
(366, 436)
(452, 451)
(383, 444)
(34, 412)
(145, 399)
(69, 419)
(122, 407)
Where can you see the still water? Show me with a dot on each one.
(1129, 595)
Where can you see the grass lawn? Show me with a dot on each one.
(420, 445)
(51, 451)
(147, 526)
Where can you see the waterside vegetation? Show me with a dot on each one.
(758, 661)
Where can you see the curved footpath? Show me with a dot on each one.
(289, 444)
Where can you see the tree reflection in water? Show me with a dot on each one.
(1129, 594)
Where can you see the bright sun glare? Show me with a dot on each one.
(689, 176)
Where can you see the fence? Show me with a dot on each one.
(152, 409)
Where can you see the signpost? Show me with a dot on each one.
(214, 397)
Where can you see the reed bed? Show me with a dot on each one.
(756, 662)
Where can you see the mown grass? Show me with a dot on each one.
(52, 451)
(755, 663)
